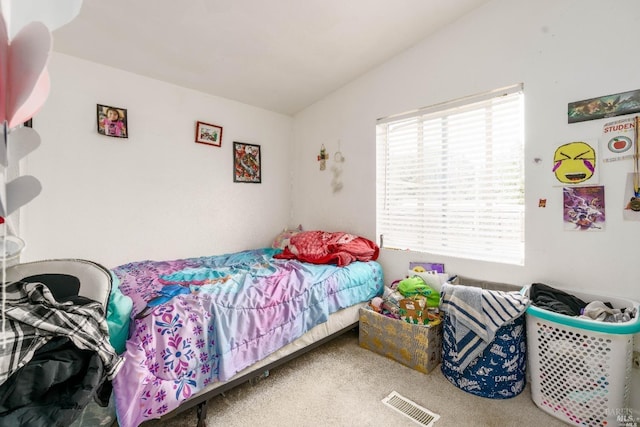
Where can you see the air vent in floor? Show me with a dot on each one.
(410, 409)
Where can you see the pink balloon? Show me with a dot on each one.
(33, 102)
(26, 85)
(4, 54)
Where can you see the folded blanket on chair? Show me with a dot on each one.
(476, 314)
(34, 318)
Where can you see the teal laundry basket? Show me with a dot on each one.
(581, 368)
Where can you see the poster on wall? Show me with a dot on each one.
(583, 208)
(617, 104)
(617, 141)
(631, 207)
(574, 163)
(247, 165)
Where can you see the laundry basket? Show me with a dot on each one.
(498, 371)
(581, 368)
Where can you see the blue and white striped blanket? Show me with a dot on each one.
(476, 314)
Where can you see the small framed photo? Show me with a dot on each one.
(112, 121)
(209, 134)
(246, 163)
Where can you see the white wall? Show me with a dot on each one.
(157, 194)
(563, 51)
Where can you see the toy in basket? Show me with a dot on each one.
(484, 341)
(581, 368)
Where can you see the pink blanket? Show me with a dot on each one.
(321, 247)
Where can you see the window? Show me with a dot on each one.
(450, 178)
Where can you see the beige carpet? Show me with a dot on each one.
(342, 384)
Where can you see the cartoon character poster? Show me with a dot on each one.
(583, 208)
(617, 140)
(574, 163)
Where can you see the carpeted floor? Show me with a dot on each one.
(342, 384)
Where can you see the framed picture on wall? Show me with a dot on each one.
(112, 121)
(209, 134)
(246, 163)
(604, 106)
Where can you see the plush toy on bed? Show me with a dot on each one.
(282, 240)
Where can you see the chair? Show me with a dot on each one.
(67, 277)
(60, 380)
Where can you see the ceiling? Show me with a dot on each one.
(281, 55)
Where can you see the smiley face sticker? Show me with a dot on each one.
(574, 163)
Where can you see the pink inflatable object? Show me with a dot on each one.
(24, 81)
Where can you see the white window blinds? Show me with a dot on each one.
(450, 178)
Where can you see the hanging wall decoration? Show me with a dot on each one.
(632, 189)
(631, 205)
(322, 158)
(574, 163)
(25, 49)
(246, 163)
(208, 134)
(605, 106)
(584, 208)
(336, 182)
(24, 87)
(112, 121)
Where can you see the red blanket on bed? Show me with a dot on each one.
(321, 247)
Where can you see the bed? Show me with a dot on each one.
(200, 326)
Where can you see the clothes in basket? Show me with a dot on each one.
(484, 340)
(581, 368)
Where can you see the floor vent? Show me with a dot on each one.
(410, 409)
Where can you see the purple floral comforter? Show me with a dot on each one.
(202, 320)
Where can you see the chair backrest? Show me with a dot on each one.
(94, 280)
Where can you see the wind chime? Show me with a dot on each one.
(336, 182)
